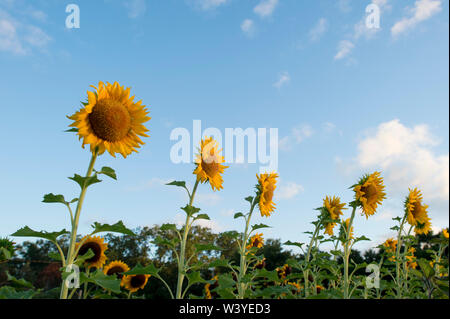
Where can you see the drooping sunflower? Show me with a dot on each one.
(390, 245)
(209, 287)
(423, 227)
(256, 241)
(266, 187)
(116, 268)
(369, 193)
(415, 209)
(334, 208)
(98, 247)
(209, 164)
(111, 120)
(134, 282)
(445, 233)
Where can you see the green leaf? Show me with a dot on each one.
(100, 279)
(218, 263)
(7, 292)
(195, 277)
(18, 283)
(190, 210)
(177, 183)
(200, 247)
(202, 216)
(237, 215)
(259, 226)
(51, 198)
(108, 171)
(140, 270)
(85, 181)
(289, 243)
(73, 129)
(28, 232)
(81, 259)
(165, 227)
(54, 255)
(5, 254)
(249, 199)
(427, 270)
(118, 227)
(163, 242)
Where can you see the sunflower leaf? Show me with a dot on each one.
(202, 216)
(237, 215)
(5, 254)
(141, 270)
(52, 198)
(249, 199)
(177, 183)
(118, 227)
(28, 232)
(7, 292)
(18, 283)
(108, 171)
(190, 210)
(289, 243)
(165, 227)
(195, 277)
(73, 129)
(200, 247)
(85, 182)
(259, 226)
(100, 279)
(81, 259)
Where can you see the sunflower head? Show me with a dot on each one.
(296, 288)
(134, 282)
(261, 264)
(111, 120)
(256, 241)
(98, 247)
(333, 208)
(209, 287)
(415, 209)
(284, 271)
(390, 245)
(6, 249)
(445, 233)
(369, 193)
(209, 167)
(116, 268)
(265, 189)
(423, 227)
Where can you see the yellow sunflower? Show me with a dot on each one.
(256, 241)
(423, 227)
(390, 245)
(111, 120)
(296, 287)
(209, 164)
(334, 208)
(209, 287)
(284, 271)
(415, 209)
(266, 186)
(117, 268)
(98, 247)
(410, 258)
(134, 282)
(445, 233)
(369, 193)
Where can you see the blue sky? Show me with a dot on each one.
(346, 100)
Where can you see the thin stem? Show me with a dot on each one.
(73, 236)
(397, 257)
(306, 272)
(347, 251)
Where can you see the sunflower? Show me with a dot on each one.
(334, 208)
(369, 193)
(209, 287)
(134, 282)
(266, 186)
(117, 268)
(98, 247)
(284, 271)
(423, 227)
(445, 233)
(390, 245)
(410, 258)
(256, 241)
(209, 164)
(296, 287)
(415, 209)
(111, 120)
(261, 264)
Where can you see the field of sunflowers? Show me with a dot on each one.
(110, 120)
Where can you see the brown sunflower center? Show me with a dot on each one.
(371, 193)
(137, 281)
(110, 120)
(256, 242)
(268, 194)
(96, 249)
(417, 210)
(116, 270)
(211, 164)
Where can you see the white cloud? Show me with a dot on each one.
(248, 27)
(318, 30)
(136, 8)
(344, 5)
(423, 10)
(207, 199)
(288, 190)
(298, 135)
(9, 39)
(344, 49)
(283, 79)
(265, 8)
(180, 219)
(406, 158)
(210, 4)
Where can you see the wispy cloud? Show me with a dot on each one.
(265, 8)
(298, 135)
(283, 79)
(136, 8)
(318, 30)
(209, 4)
(344, 49)
(288, 190)
(248, 27)
(423, 10)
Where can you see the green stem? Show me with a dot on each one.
(182, 257)
(73, 236)
(397, 258)
(347, 251)
(308, 254)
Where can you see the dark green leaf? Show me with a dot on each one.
(51, 198)
(118, 227)
(140, 270)
(28, 232)
(85, 181)
(108, 171)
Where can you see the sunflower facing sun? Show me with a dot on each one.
(256, 241)
(134, 282)
(369, 193)
(98, 247)
(111, 120)
(334, 208)
(116, 268)
(266, 186)
(209, 164)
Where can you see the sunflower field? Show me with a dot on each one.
(111, 262)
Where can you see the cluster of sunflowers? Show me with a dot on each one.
(111, 121)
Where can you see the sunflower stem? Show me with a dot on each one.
(347, 251)
(73, 236)
(308, 254)
(397, 257)
(182, 259)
